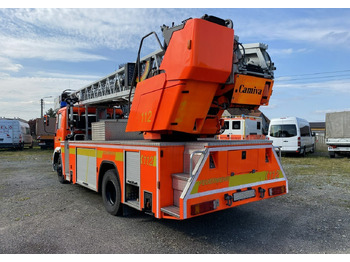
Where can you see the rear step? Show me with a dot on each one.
(179, 182)
(171, 210)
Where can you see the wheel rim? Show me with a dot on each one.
(111, 193)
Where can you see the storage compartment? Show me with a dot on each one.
(107, 130)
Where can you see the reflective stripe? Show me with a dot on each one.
(119, 156)
(72, 151)
(251, 178)
(85, 152)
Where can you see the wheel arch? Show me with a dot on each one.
(105, 165)
(55, 156)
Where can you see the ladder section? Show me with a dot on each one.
(116, 87)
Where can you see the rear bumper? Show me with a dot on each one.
(232, 198)
(9, 145)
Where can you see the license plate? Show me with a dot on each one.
(243, 195)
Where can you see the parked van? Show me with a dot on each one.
(291, 135)
(15, 133)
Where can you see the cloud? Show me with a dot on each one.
(288, 51)
(8, 65)
(49, 49)
(336, 86)
(313, 26)
(23, 98)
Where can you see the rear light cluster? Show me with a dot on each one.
(204, 207)
(277, 190)
(299, 141)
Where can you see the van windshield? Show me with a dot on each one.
(283, 131)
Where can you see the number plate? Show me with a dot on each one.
(243, 195)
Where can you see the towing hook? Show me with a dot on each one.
(228, 199)
(262, 192)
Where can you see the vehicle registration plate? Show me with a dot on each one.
(243, 195)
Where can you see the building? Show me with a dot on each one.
(319, 128)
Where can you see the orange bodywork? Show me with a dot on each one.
(193, 72)
(251, 90)
(226, 169)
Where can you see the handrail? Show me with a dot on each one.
(191, 157)
(279, 151)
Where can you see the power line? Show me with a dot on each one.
(318, 73)
(312, 78)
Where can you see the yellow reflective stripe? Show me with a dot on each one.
(62, 149)
(119, 156)
(195, 187)
(239, 180)
(86, 152)
(99, 153)
(72, 150)
(250, 178)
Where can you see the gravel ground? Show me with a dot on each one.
(40, 215)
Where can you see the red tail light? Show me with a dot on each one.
(204, 207)
(277, 190)
(299, 142)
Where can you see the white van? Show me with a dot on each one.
(15, 133)
(291, 135)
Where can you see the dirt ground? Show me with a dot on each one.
(39, 215)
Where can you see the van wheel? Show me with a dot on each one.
(111, 194)
(313, 149)
(304, 152)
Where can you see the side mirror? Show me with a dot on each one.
(313, 134)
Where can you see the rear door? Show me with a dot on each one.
(284, 135)
(289, 137)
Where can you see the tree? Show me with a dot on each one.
(32, 126)
(51, 113)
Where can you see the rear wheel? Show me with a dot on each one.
(111, 193)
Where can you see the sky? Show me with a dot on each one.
(44, 51)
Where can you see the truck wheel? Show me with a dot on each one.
(111, 194)
(59, 170)
(331, 154)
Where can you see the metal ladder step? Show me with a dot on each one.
(171, 210)
(179, 182)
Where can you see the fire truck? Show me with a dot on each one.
(143, 136)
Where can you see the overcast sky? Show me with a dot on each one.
(45, 51)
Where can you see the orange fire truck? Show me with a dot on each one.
(143, 135)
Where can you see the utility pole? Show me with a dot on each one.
(42, 105)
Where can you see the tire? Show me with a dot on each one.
(111, 194)
(304, 152)
(331, 154)
(312, 149)
(59, 170)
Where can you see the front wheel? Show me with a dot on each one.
(59, 170)
(111, 194)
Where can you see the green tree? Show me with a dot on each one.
(51, 113)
